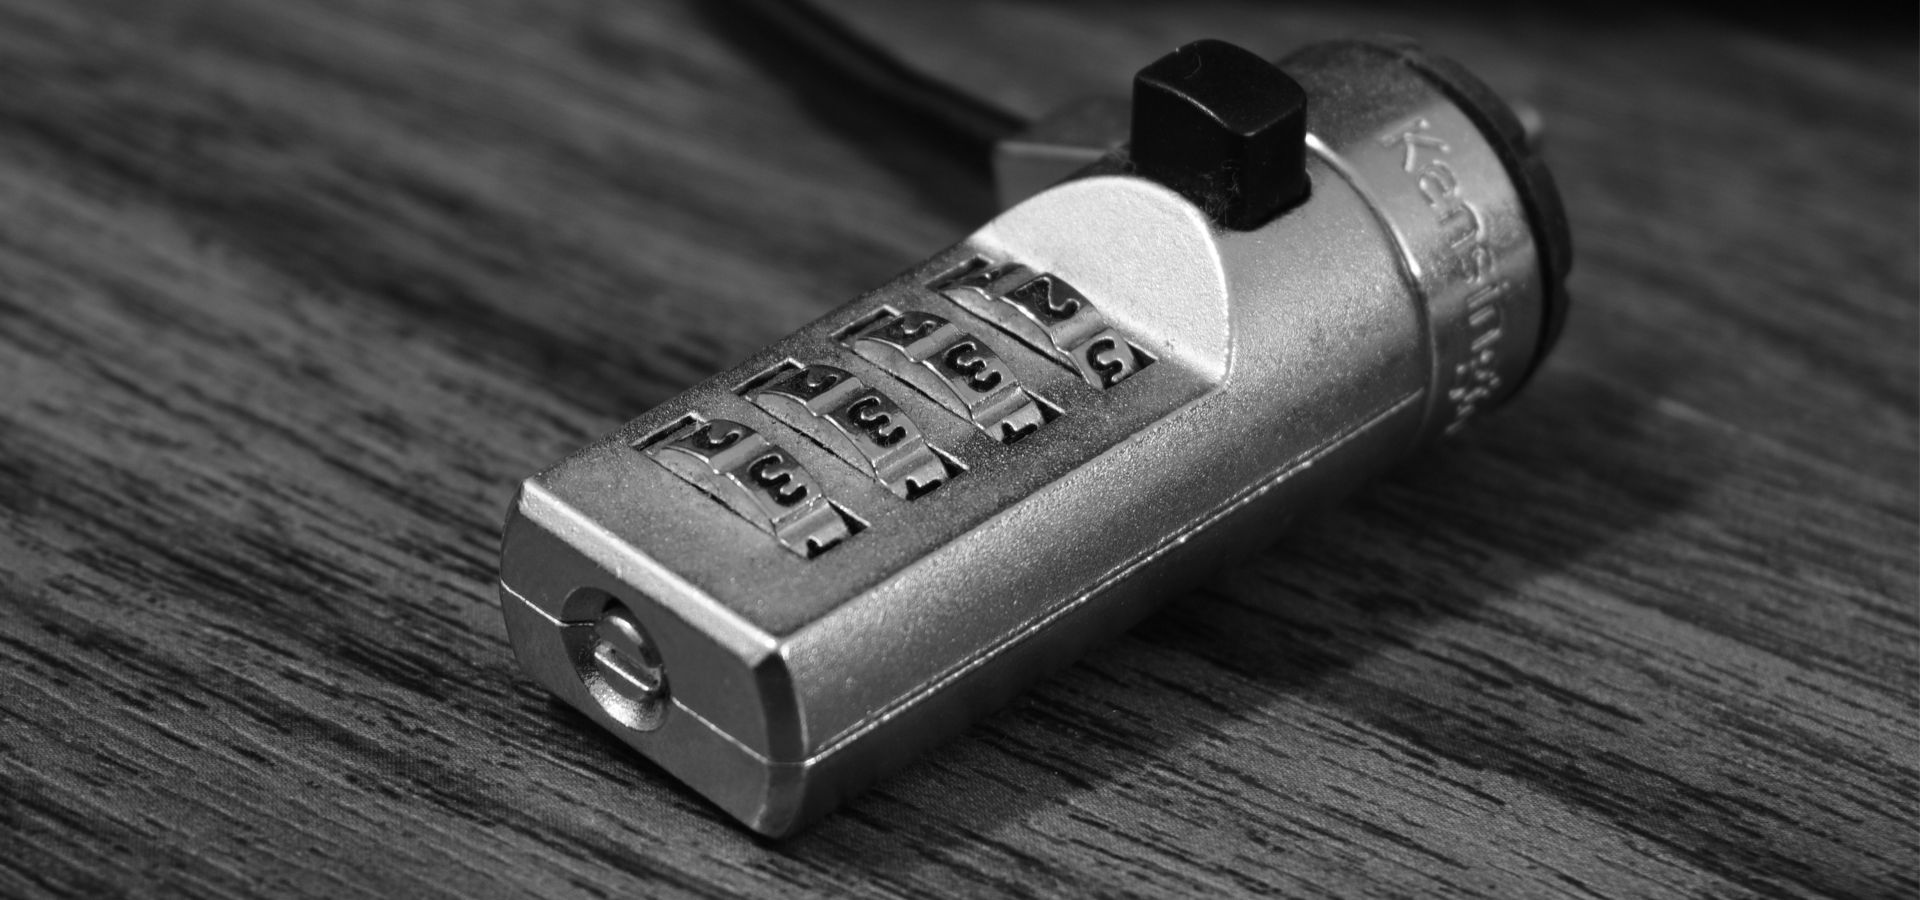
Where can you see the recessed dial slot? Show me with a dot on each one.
(854, 421)
(954, 369)
(1046, 313)
(757, 479)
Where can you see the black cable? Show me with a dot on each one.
(870, 69)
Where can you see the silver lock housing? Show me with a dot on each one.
(987, 485)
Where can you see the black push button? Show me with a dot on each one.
(1223, 127)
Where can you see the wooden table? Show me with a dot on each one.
(293, 293)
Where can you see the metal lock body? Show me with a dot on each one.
(789, 580)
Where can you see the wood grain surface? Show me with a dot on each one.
(292, 293)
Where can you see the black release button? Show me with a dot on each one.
(1223, 127)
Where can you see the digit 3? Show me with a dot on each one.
(876, 422)
(964, 359)
(774, 473)
(1105, 357)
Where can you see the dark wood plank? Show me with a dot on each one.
(291, 294)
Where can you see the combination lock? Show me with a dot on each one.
(790, 579)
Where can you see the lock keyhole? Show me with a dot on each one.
(624, 672)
